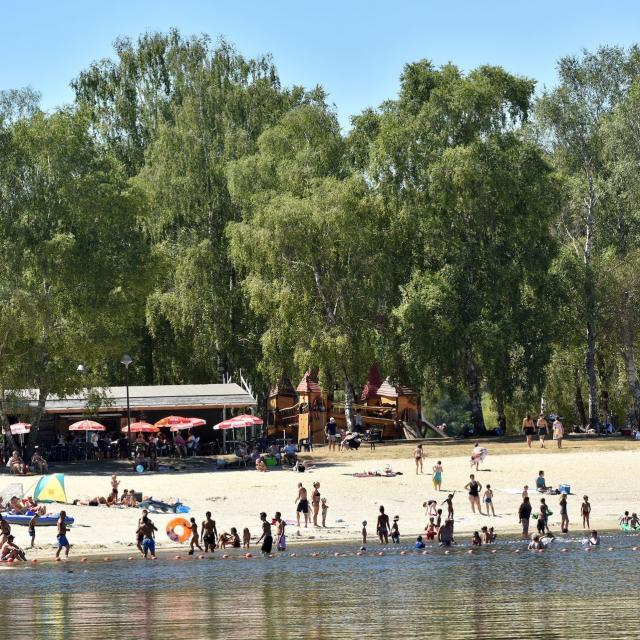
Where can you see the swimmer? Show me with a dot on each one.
(594, 540)
(536, 544)
(395, 531)
(419, 544)
(445, 534)
(476, 541)
(543, 517)
(195, 538)
(431, 530)
(265, 538)
(63, 542)
(281, 538)
(209, 533)
(488, 500)
(32, 528)
(449, 503)
(139, 535)
(634, 521)
(624, 519)
(437, 476)
(364, 533)
(493, 536)
(145, 532)
(382, 527)
(246, 537)
(524, 514)
(586, 511)
(486, 538)
(325, 508)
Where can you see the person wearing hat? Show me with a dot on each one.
(330, 431)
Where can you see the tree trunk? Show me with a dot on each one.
(604, 385)
(348, 402)
(579, 401)
(473, 386)
(43, 394)
(632, 373)
(6, 429)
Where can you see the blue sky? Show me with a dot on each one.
(356, 49)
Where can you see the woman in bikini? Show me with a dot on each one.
(315, 503)
(488, 500)
(383, 527)
(564, 515)
(474, 488)
(528, 428)
(437, 476)
(419, 456)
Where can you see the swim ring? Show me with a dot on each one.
(628, 527)
(178, 530)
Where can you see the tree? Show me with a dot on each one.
(571, 118)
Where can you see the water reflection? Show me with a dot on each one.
(497, 596)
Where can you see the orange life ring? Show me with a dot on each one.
(178, 530)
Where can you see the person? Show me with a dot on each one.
(140, 532)
(536, 544)
(488, 500)
(145, 532)
(15, 464)
(634, 522)
(32, 528)
(438, 518)
(5, 530)
(524, 513)
(478, 455)
(476, 541)
(364, 533)
(231, 539)
(543, 517)
(541, 483)
(528, 429)
(558, 431)
(382, 527)
(315, 502)
(281, 538)
(261, 466)
(543, 429)
(115, 483)
(564, 515)
(586, 511)
(449, 503)
(290, 453)
(525, 491)
(432, 508)
(235, 538)
(11, 551)
(430, 531)
(474, 488)
(437, 476)
(195, 537)
(246, 537)
(181, 446)
(419, 543)
(493, 536)
(418, 456)
(330, 431)
(265, 538)
(624, 519)
(38, 462)
(325, 508)
(303, 504)
(395, 531)
(63, 542)
(209, 532)
(445, 534)
(594, 540)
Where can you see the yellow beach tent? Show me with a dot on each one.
(50, 489)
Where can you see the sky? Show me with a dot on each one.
(355, 49)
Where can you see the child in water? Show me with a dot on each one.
(475, 540)
(364, 533)
(325, 508)
(419, 544)
(246, 538)
(431, 530)
(395, 531)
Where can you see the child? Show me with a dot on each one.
(114, 486)
(32, 529)
(364, 533)
(493, 536)
(246, 538)
(431, 530)
(634, 521)
(195, 538)
(525, 492)
(475, 540)
(395, 532)
(488, 500)
(486, 538)
(124, 501)
(449, 503)
(586, 510)
(625, 518)
(437, 476)
(419, 544)
(325, 508)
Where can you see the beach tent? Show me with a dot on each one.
(50, 489)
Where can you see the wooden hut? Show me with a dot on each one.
(402, 401)
(312, 405)
(282, 408)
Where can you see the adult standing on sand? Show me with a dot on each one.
(303, 504)
(209, 533)
(558, 431)
(564, 514)
(62, 535)
(528, 429)
(474, 488)
(281, 538)
(315, 502)
(524, 514)
(145, 531)
(419, 458)
(330, 431)
(543, 429)
(383, 526)
(266, 537)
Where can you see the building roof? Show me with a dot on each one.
(308, 384)
(174, 396)
(283, 388)
(390, 389)
(371, 386)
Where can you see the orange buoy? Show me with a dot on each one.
(34, 560)
(177, 558)
(248, 555)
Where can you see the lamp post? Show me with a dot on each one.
(126, 360)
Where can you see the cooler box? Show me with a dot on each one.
(565, 488)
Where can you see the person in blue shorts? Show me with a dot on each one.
(63, 543)
(146, 530)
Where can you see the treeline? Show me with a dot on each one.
(476, 241)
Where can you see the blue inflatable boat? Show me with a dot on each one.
(48, 520)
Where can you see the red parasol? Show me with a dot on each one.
(87, 425)
(141, 427)
(20, 428)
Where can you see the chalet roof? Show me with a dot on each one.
(390, 389)
(308, 384)
(283, 388)
(371, 386)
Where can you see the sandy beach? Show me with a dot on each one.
(602, 469)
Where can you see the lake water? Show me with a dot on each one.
(456, 596)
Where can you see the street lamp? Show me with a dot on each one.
(126, 360)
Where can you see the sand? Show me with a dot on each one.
(235, 497)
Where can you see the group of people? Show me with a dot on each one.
(17, 466)
(541, 426)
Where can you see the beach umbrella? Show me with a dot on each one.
(87, 425)
(172, 421)
(20, 428)
(141, 427)
(243, 421)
